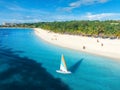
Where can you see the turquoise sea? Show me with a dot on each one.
(29, 63)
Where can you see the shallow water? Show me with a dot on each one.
(27, 62)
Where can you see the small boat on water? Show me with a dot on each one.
(63, 66)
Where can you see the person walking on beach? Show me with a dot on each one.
(84, 47)
(101, 44)
(97, 40)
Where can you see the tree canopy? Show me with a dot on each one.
(96, 28)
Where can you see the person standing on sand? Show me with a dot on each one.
(84, 47)
(97, 40)
(101, 44)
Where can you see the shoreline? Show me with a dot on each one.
(14, 28)
(97, 46)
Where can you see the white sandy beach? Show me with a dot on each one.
(110, 48)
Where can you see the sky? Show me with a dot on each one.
(21, 11)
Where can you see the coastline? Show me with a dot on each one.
(14, 28)
(98, 46)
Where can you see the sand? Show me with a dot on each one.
(98, 46)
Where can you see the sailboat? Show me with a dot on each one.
(63, 67)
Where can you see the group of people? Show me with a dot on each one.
(98, 42)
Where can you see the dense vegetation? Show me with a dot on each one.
(96, 28)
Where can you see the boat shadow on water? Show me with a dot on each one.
(22, 73)
(74, 67)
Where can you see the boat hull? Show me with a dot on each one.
(63, 72)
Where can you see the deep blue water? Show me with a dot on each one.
(29, 63)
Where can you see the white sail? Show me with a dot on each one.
(63, 64)
(63, 67)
